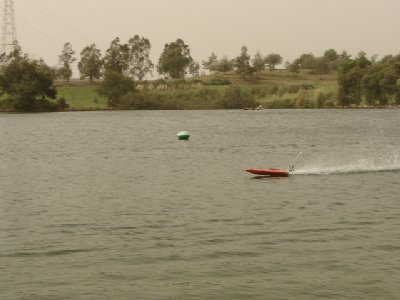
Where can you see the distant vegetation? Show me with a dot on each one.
(28, 84)
(369, 82)
(117, 80)
(278, 90)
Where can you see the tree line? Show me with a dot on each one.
(369, 81)
(133, 60)
(29, 83)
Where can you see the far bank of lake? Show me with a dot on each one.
(279, 89)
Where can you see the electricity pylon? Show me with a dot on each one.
(9, 35)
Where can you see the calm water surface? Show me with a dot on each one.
(110, 205)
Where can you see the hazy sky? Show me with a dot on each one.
(287, 27)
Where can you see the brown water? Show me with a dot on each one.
(110, 205)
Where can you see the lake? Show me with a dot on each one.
(111, 205)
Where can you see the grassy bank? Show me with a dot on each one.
(278, 89)
(81, 95)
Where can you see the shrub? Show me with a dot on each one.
(217, 81)
(273, 89)
(306, 86)
(293, 89)
(259, 92)
(62, 103)
(204, 98)
(280, 103)
(325, 99)
(234, 97)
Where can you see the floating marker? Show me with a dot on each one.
(183, 135)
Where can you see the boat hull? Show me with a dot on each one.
(272, 172)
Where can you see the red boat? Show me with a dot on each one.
(272, 172)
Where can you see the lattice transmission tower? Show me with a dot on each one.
(9, 34)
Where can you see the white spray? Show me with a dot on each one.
(370, 164)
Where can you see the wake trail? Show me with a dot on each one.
(384, 164)
(332, 171)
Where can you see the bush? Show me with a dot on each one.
(28, 84)
(114, 86)
(273, 89)
(138, 100)
(217, 81)
(306, 86)
(280, 103)
(259, 92)
(62, 103)
(234, 97)
(204, 98)
(5, 104)
(325, 99)
(293, 89)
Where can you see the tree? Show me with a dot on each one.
(344, 55)
(242, 63)
(211, 64)
(388, 78)
(272, 60)
(117, 57)
(175, 59)
(350, 85)
(387, 59)
(90, 63)
(362, 60)
(320, 66)
(114, 86)
(194, 68)
(371, 87)
(350, 74)
(140, 64)
(331, 55)
(225, 65)
(15, 54)
(293, 67)
(366, 79)
(331, 58)
(66, 59)
(28, 84)
(307, 61)
(258, 63)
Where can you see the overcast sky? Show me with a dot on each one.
(287, 27)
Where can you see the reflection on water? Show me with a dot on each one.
(110, 205)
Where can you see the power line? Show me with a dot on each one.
(39, 31)
(59, 20)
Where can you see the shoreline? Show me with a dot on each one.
(9, 111)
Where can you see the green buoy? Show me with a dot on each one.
(183, 135)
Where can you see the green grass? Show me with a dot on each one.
(81, 96)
